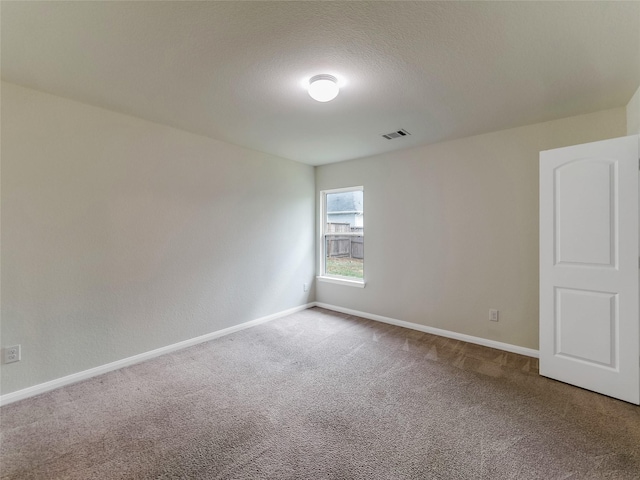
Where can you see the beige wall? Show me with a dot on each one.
(633, 114)
(452, 228)
(120, 236)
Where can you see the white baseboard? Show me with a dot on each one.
(529, 352)
(125, 362)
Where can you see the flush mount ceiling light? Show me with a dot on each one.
(323, 87)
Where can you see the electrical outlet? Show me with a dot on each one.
(11, 354)
(493, 315)
(305, 287)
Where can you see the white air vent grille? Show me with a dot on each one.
(396, 134)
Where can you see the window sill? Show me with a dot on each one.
(342, 281)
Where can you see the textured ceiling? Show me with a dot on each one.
(235, 70)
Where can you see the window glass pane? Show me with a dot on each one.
(344, 254)
(345, 210)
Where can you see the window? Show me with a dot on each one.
(342, 236)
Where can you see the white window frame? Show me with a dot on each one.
(323, 276)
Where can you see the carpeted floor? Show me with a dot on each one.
(323, 395)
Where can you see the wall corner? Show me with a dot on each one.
(633, 114)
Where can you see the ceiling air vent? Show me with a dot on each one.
(396, 134)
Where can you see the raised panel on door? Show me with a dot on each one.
(580, 311)
(589, 290)
(585, 208)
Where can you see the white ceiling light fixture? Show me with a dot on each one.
(323, 87)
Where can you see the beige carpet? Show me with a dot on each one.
(323, 395)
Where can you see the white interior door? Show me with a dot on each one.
(589, 265)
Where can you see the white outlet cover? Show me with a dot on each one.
(11, 354)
